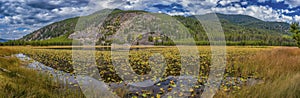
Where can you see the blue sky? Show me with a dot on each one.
(20, 17)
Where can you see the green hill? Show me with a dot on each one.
(56, 29)
(238, 29)
(252, 22)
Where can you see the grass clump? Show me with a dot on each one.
(279, 69)
(19, 82)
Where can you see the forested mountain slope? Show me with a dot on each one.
(238, 29)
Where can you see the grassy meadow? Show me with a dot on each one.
(278, 69)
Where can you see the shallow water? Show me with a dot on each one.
(57, 75)
(88, 83)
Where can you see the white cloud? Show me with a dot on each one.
(225, 2)
(34, 14)
(262, 0)
(279, 0)
(260, 12)
(286, 18)
(286, 11)
(244, 3)
(12, 32)
(292, 3)
(55, 2)
(44, 16)
(4, 20)
(69, 10)
(297, 18)
(177, 13)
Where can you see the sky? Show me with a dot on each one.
(21, 17)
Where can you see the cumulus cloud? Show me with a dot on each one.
(262, 1)
(34, 14)
(261, 12)
(292, 3)
(244, 3)
(225, 2)
(208, 6)
(287, 11)
(297, 18)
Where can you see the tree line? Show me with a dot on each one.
(295, 29)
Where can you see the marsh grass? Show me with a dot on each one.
(30, 84)
(279, 68)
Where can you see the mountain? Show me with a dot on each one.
(248, 21)
(54, 30)
(3, 40)
(62, 29)
(238, 29)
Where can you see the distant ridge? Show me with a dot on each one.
(248, 21)
(237, 29)
(3, 40)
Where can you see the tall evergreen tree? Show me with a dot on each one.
(295, 29)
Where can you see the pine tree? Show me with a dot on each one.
(295, 29)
